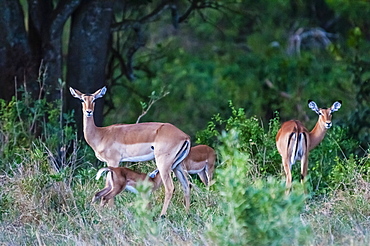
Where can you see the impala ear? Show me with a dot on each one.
(100, 93)
(75, 93)
(336, 106)
(312, 105)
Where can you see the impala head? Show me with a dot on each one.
(88, 100)
(325, 114)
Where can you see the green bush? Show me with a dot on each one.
(256, 211)
(253, 138)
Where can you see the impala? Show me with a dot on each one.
(121, 178)
(201, 161)
(113, 144)
(294, 141)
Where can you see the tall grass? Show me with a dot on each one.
(46, 195)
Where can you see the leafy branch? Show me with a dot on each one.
(153, 99)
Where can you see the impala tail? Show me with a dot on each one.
(297, 146)
(101, 171)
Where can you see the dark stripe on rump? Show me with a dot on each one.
(290, 137)
(305, 140)
(180, 156)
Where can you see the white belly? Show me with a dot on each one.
(146, 157)
(136, 152)
(195, 171)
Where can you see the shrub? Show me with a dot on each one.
(252, 139)
(256, 211)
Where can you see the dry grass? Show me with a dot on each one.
(41, 206)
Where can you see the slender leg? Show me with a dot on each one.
(167, 183)
(210, 169)
(112, 193)
(288, 175)
(304, 167)
(101, 193)
(179, 172)
(204, 177)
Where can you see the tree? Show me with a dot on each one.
(32, 54)
(15, 51)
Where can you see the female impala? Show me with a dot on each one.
(121, 178)
(138, 142)
(294, 141)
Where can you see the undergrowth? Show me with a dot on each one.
(48, 181)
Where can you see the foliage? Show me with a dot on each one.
(341, 216)
(236, 83)
(252, 138)
(41, 203)
(24, 121)
(256, 211)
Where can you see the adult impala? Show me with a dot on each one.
(138, 142)
(294, 141)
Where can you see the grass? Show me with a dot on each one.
(36, 209)
(45, 195)
(39, 209)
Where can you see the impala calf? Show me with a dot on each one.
(113, 144)
(119, 179)
(294, 141)
(201, 161)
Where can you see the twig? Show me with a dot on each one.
(153, 99)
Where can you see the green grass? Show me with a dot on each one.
(45, 195)
(37, 208)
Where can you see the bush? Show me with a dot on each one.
(252, 139)
(256, 211)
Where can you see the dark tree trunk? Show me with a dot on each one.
(46, 28)
(15, 53)
(88, 51)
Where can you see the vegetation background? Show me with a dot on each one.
(228, 76)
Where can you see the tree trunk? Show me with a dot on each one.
(46, 29)
(15, 53)
(88, 51)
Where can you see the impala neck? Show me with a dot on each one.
(90, 130)
(317, 134)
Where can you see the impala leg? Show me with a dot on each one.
(288, 175)
(101, 193)
(204, 177)
(168, 188)
(112, 193)
(112, 163)
(179, 172)
(304, 167)
(210, 169)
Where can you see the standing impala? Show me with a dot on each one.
(138, 142)
(294, 141)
